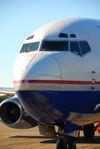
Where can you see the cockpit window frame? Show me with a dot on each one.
(81, 54)
(86, 46)
(78, 52)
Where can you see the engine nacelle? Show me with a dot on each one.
(13, 115)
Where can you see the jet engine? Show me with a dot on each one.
(13, 115)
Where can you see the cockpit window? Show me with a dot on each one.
(79, 47)
(63, 35)
(72, 35)
(30, 47)
(74, 47)
(30, 37)
(84, 46)
(55, 46)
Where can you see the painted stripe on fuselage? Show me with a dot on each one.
(58, 82)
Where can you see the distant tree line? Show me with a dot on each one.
(3, 98)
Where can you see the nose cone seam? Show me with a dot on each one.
(30, 61)
(58, 65)
(22, 63)
(38, 74)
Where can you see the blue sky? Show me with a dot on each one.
(19, 18)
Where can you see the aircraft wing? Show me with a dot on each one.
(8, 91)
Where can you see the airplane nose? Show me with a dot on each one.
(36, 72)
(35, 85)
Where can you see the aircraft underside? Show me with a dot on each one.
(57, 106)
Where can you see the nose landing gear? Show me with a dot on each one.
(66, 143)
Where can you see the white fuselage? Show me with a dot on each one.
(63, 70)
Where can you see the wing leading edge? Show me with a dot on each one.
(8, 91)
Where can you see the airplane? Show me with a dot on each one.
(57, 81)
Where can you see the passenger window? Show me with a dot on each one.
(85, 48)
(74, 47)
(55, 46)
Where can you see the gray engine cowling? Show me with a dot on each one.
(13, 115)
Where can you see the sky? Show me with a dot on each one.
(20, 18)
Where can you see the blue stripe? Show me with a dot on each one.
(59, 103)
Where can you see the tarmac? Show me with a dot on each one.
(31, 139)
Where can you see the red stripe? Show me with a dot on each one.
(57, 82)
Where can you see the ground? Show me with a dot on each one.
(30, 138)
